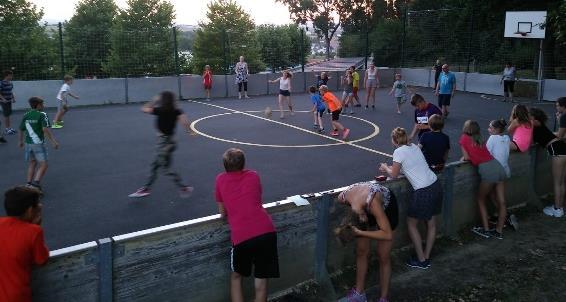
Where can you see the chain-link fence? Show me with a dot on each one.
(459, 37)
(51, 51)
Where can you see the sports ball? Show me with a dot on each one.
(267, 112)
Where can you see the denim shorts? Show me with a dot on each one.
(37, 152)
(62, 105)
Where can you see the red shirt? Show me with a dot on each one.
(240, 192)
(21, 247)
(478, 154)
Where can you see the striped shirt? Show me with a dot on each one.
(6, 88)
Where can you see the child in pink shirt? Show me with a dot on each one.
(521, 127)
(254, 239)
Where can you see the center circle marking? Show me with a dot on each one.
(373, 134)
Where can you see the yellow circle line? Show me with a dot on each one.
(193, 127)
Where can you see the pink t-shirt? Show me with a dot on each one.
(523, 137)
(240, 192)
(478, 154)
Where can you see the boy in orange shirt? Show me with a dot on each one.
(335, 107)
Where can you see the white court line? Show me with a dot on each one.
(295, 127)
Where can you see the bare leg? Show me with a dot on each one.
(416, 237)
(41, 171)
(320, 125)
(290, 104)
(502, 209)
(7, 122)
(236, 287)
(513, 147)
(31, 170)
(384, 255)
(484, 190)
(430, 236)
(260, 290)
(337, 125)
(362, 257)
(280, 103)
(373, 96)
(58, 115)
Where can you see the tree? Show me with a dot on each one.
(275, 46)
(142, 40)
(228, 33)
(299, 53)
(322, 12)
(28, 49)
(88, 36)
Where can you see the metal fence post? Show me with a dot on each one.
(105, 264)
(226, 67)
(177, 66)
(533, 198)
(321, 275)
(405, 16)
(448, 199)
(61, 50)
(302, 50)
(126, 89)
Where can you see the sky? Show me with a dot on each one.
(188, 11)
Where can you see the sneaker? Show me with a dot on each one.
(512, 221)
(321, 130)
(354, 296)
(3, 140)
(367, 107)
(56, 126)
(334, 133)
(480, 231)
(554, 212)
(415, 263)
(351, 112)
(35, 185)
(373, 107)
(358, 105)
(495, 234)
(185, 192)
(315, 126)
(141, 192)
(345, 133)
(9, 131)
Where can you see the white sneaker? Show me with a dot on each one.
(551, 211)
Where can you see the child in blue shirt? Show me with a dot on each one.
(318, 109)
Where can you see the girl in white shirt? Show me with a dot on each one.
(427, 197)
(284, 92)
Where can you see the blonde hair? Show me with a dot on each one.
(472, 128)
(399, 136)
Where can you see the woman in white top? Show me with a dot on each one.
(284, 92)
(427, 198)
(371, 84)
(242, 73)
(508, 81)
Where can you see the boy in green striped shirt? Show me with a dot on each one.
(35, 126)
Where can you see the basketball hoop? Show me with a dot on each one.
(524, 34)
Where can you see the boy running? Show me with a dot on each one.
(400, 88)
(335, 107)
(6, 100)
(35, 126)
(165, 108)
(63, 106)
(318, 109)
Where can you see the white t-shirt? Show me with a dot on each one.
(498, 146)
(414, 166)
(65, 88)
(285, 84)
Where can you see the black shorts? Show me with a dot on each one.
(392, 213)
(284, 92)
(557, 148)
(336, 114)
(259, 252)
(6, 108)
(508, 86)
(426, 202)
(321, 112)
(444, 100)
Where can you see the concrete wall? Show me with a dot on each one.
(120, 90)
(189, 261)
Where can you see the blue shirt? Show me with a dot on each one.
(447, 81)
(434, 147)
(317, 100)
(6, 90)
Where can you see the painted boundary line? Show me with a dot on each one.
(291, 126)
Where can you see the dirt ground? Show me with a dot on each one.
(527, 265)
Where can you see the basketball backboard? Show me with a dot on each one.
(525, 25)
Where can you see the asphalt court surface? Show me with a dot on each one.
(106, 152)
